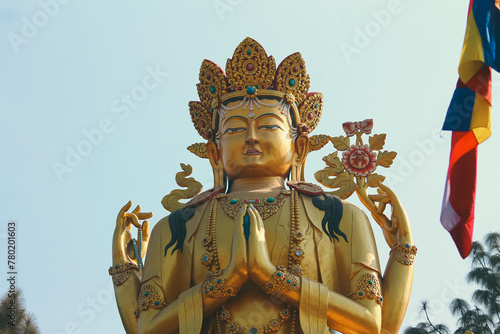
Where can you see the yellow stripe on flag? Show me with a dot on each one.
(472, 52)
(480, 122)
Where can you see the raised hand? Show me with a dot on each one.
(123, 250)
(259, 263)
(398, 226)
(236, 273)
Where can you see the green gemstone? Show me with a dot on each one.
(271, 199)
(291, 82)
(157, 303)
(211, 288)
(218, 281)
(278, 274)
(361, 293)
(146, 293)
(233, 201)
(212, 89)
(249, 52)
(370, 282)
(288, 281)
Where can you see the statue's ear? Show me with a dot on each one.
(214, 155)
(301, 149)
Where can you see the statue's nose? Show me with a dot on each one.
(251, 138)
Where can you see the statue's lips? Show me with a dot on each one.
(252, 151)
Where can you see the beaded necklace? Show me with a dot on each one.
(210, 257)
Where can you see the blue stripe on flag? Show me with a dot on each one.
(459, 112)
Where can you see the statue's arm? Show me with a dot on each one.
(398, 275)
(126, 299)
(124, 270)
(398, 278)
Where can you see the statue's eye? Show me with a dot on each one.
(270, 127)
(234, 130)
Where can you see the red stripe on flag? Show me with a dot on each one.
(461, 143)
(481, 82)
(462, 178)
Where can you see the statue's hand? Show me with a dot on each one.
(260, 266)
(398, 226)
(236, 273)
(123, 250)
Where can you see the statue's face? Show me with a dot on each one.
(256, 146)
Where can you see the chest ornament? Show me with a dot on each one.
(265, 206)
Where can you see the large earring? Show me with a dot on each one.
(299, 158)
(218, 176)
(216, 162)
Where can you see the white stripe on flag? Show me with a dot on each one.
(449, 218)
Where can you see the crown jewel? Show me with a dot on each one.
(250, 74)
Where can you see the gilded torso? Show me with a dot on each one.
(330, 262)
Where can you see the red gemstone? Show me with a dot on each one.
(239, 88)
(310, 115)
(202, 124)
(305, 128)
(245, 201)
(208, 76)
(257, 200)
(250, 66)
(207, 134)
(295, 68)
(264, 86)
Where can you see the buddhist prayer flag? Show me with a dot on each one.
(469, 117)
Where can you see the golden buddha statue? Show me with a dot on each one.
(257, 253)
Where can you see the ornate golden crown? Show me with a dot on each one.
(251, 74)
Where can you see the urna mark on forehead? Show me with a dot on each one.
(265, 108)
(247, 116)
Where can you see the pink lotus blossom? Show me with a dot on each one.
(359, 160)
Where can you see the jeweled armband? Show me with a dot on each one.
(150, 295)
(404, 253)
(121, 273)
(282, 281)
(215, 287)
(368, 286)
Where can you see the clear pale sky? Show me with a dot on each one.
(67, 67)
